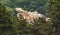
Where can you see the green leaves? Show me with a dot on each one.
(54, 12)
(10, 25)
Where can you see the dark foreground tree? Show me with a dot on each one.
(7, 21)
(54, 11)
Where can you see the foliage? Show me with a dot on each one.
(10, 25)
(6, 21)
(54, 11)
(29, 5)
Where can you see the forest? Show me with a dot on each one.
(10, 25)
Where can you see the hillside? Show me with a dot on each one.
(29, 17)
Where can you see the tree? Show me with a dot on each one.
(7, 21)
(54, 11)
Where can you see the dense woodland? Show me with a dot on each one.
(10, 25)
